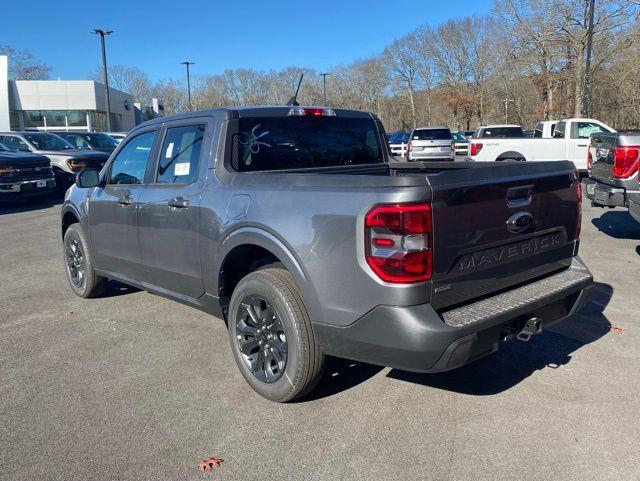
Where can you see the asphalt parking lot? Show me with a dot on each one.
(133, 386)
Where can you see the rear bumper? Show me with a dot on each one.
(439, 156)
(417, 338)
(604, 194)
(26, 187)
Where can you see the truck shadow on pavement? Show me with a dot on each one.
(617, 224)
(512, 364)
(28, 205)
(516, 361)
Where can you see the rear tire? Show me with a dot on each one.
(279, 358)
(79, 266)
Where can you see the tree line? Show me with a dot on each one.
(521, 63)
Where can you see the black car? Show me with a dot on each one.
(90, 140)
(24, 174)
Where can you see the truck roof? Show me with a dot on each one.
(254, 111)
(493, 126)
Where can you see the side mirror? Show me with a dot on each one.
(88, 178)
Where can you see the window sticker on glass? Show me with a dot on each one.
(181, 168)
(169, 151)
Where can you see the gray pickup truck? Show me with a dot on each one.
(612, 164)
(291, 224)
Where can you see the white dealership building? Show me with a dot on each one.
(63, 105)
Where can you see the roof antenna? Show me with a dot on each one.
(293, 101)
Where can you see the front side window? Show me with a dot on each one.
(585, 129)
(130, 164)
(14, 143)
(48, 141)
(180, 155)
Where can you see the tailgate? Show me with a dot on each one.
(601, 153)
(499, 227)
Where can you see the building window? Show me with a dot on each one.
(54, 118)
(98, 121)
(14, 120)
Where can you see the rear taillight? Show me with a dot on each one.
(409, 147)
(588, 158)
(625, 161)
(579, 213)
(453, 146)
(475, 148)
(399, 242)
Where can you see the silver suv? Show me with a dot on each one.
(431, 143)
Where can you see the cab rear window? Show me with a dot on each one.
(278, 143)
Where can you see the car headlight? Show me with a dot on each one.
(7, 170)
(76, 164)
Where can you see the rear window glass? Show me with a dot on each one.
(432, 134)
(276, 143)
(503, 132)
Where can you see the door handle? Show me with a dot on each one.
(582, 145)
(178, 203)
(126, 200)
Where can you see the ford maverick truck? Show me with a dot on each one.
(291, 225)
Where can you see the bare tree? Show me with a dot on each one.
(403, 66)
(128, 79)
(23, 65)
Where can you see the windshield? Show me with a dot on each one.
(432, 134)
(102, 141)
(275, 143)
(48, 142)
(503, 132)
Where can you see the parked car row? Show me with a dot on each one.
(613, 162)
(34, 163)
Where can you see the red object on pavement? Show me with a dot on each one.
(209, 464)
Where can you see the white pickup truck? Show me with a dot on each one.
(569, 141)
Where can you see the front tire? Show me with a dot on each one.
(271, 336)
(78, 263)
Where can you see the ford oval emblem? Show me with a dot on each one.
(520, 222)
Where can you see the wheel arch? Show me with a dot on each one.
(69, 217)
(248, 249)
(511, 154)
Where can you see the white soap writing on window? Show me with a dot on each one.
(181, 168)
(169, 151)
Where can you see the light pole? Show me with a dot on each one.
(587, 65)
(506, 109)
(324, 87)
(187, 63)
(105, 76)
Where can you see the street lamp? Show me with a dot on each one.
(324, 87)
(187, 63)
(105, 76)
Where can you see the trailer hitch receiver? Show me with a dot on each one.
(532, 326)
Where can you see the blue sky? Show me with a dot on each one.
(217, 35)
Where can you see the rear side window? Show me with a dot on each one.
(537, 133)
(130, 164)
(503, 132)
(431, 134)
(276, 143)
(558, 133)
(180, 155)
